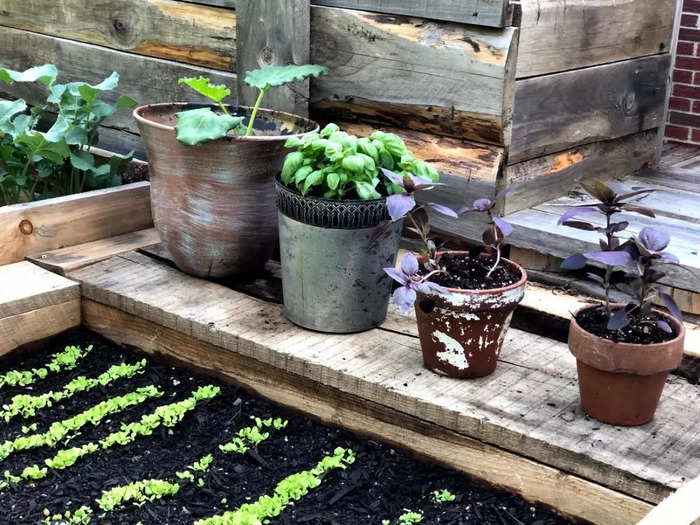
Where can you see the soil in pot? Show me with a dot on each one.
(645, 332)
(461, 334)
(380, 484)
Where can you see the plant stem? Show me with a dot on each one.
(223, 108)
(608, 268)
(249, 130)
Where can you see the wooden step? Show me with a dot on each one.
(528, 410)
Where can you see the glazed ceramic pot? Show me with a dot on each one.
(214, 204)
(621, 383)
(333, 277)
(461, 334)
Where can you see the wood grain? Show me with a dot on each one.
(558, 35)
(682, 507)
(274, 33)
(31, 228)
(551, 176)
(570, 495)
(148, 80)
(559, 111)
(495, 13)
(26, 287)
(413, 73)
(530, 405)
(190, 33)
(71, 258)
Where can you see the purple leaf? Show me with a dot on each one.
(654, 239)
(399, 205)
(443, 209)
(600, 191)
(482, 204)
(427, 287)
(393, 177)
(618, 320)
(621, 198)
(576, 211)
(669, 258)
(409, 264)
(595, 277)
(663, 325)
(618, 258)
(579, 225)
(404, 298)
(505, 227)
(506, 191)
(574, 262)
(464, 209)
(639, 209)
(421, 183)
(396, 275)
(616, 227)
(671, 305)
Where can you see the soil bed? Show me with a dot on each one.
(594, 321)
(468, 272)
(380, 485)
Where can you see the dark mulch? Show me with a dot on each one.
(644, 331)
(470, 273)
(379, 485)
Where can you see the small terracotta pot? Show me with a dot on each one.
(621, 383)
(461, 334)
(214, 204)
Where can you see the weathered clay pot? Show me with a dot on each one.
(621, 383)
(214, 204)
(461, 334)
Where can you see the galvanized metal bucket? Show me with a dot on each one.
(332, 272)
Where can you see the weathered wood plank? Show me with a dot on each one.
(568, 494)
(494, 13)
(545, 178)
(26, 287)
(443, 78)
(66, 260)
(190, 33)
(671, 177)
(682, 507)
(90, 63)
(529, 405)
(274, 33)
(31, 228)
(559, 35)
(559, 111)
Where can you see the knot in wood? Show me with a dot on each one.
(26, 227)
(630, 102)
(266, 57)
(120, 26)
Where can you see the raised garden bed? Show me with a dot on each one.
(382, 483)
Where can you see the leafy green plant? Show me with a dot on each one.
(337, 165)
(287, 491)
(443, 496)
(195, 126)
(252, 436)
(138, 492)
(64, 360)
(26, 405)
(35, 164)
(66, 429)
(81, 516)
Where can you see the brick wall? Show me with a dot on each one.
(684, 115)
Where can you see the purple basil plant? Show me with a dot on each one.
(613, 252)
(403, 205)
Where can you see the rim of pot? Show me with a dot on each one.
(350, 202)
(521, 282)
(313, 125)
(680, 327)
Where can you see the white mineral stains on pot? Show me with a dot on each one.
(454, 352)
(476, 301)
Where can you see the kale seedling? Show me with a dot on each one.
(195, 126)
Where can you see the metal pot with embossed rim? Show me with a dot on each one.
(461, 334)
(213, 204)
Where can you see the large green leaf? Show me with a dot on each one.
(45, 74)
(8, 109)
(126, 102)
(40, 147)
(83, 161)
(280, 75)
(90, 93)
(200, 125)
(203, 86)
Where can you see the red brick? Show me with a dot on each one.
(691, 6)
(688, 63)
(684, 77)
(684, 119)
(681, 104)
(685, 48)
(696, 107)
(677, 132)
(689, 34)
(681, 90)
(696, 79)
(695, 137)
(689, 20)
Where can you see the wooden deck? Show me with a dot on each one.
(521, 428)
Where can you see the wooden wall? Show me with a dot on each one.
(545, 94)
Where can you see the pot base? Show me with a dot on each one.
(618, 398)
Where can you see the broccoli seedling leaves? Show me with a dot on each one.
(195, 126)
(280, 75)
(45, 74)
(203, 86)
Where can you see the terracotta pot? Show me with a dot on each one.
(461, 334)
(621, 383)
(214, 204)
